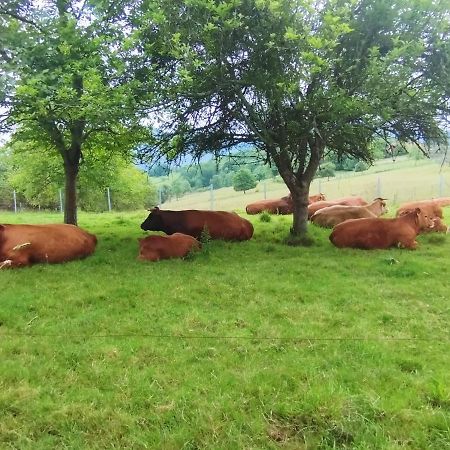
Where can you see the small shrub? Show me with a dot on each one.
(265, 217)
(361, 166)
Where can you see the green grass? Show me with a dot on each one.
(253, 345)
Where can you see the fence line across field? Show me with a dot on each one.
(227, 199)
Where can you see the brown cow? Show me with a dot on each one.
(220, 224)
(177, 245)
(272, 206)
(23, 245)
(438, 227)
(281, 205)
(380, 233)
(332, 215)
(428, 208)
(347, 201)
(442, 201)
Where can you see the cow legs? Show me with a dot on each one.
(411, 244)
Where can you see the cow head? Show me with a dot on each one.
(154, 221)
(383, 206)
(422, 220)
(321, 197)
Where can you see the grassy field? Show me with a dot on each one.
(252, 345)
(399, 181)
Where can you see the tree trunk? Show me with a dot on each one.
(70, 200)
(300, 195)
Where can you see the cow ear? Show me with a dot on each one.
(418, 210)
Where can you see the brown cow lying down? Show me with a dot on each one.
(281, 205)
(177, 245)
(332, 215)
(347, 201)
(442, 201)
(23, 245)
(272, 206)
(380, 233)
(438, 227)
(428, 207)
(220, 224)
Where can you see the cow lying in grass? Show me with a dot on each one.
(347, 201)
(376, 233)
(23, 245)
(219, 224)
(332, 215)
(281, 205)
(177, 245)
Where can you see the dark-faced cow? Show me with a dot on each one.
(23, 245)
(177, 245)
(219, 224)
(332, 215)
(377, 233)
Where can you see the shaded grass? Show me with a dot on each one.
(187, 354)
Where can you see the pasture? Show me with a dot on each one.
(252, 345)
(400, 181)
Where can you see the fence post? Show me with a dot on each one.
(378, 193)
(61, 207)
(265, 189)
(320, 186)
(160, 196)
(441, 185)
(211, 196)
(109, 199)
(15, 201)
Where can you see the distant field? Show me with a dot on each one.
(252, 345)
(399, 181)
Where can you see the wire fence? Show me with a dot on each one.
(397, 188)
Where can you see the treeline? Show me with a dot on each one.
(242, 170)
(37, 176)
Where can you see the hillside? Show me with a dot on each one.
(399, 181)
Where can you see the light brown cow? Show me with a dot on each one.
(380, 233)
(23, 245)
(177, 245)
(347, 201)
(332, 215)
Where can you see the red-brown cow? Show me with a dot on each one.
(220, 224)
(272, 206)
(281, 205)
(438, 227)
(177, 245)
(380, 233)
(442, 201)
(23, 245)
(428, 207)
(347, 201)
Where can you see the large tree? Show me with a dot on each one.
(301, 78)
(72, 80)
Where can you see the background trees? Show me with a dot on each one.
(301, 78)
(244, 180)
(68, 72)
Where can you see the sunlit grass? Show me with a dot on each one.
(245, 345)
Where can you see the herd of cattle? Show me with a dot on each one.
(355, 223)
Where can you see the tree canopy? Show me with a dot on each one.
(303, 78)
